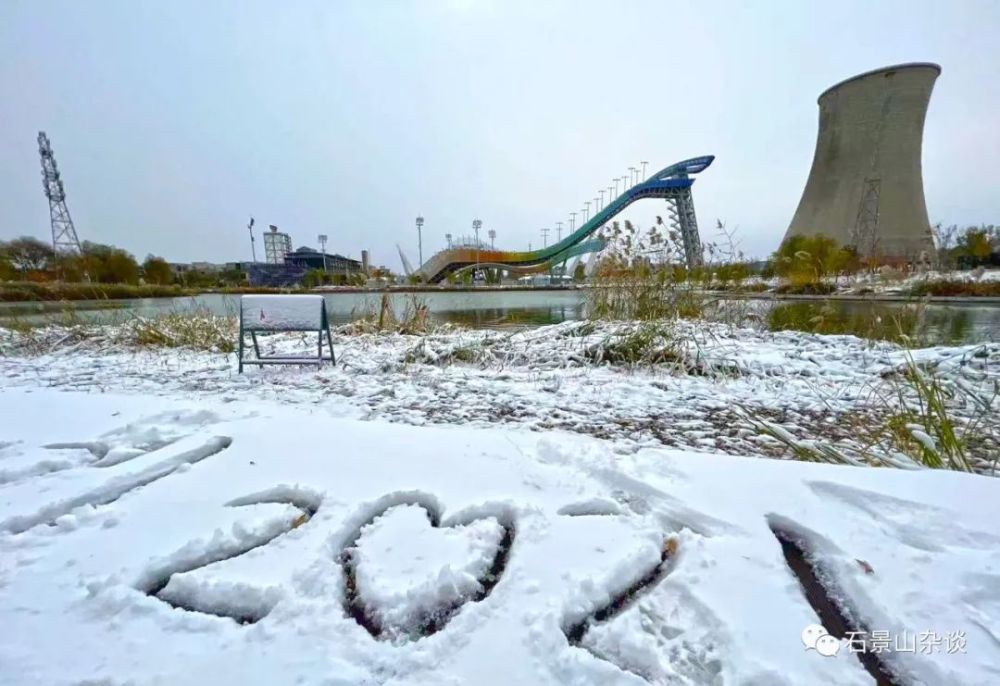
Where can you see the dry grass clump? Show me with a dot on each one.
(915, 417)
(194, 330)
(415, 319)
(957, 287)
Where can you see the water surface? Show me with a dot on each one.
(922, 323)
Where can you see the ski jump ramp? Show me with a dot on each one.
(672, 184)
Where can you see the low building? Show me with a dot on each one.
(313, 259)
(205, 267)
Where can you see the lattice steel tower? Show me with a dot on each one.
(63, 232)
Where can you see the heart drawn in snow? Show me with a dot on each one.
(407, 574)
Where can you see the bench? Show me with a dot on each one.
(261, 314)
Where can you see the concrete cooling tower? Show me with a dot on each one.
(865, 188)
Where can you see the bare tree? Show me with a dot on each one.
(944, 241)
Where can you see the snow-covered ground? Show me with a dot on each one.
(888, 281)
(476, 507)
(194, 540)
(891, 282)
(556, 377)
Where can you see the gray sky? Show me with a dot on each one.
(174, 122)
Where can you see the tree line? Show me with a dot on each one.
(29, 259)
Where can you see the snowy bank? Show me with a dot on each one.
(691, 385)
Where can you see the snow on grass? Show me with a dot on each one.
(559, 377)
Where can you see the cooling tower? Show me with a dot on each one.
(865, 188)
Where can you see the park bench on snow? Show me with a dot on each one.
(267, 314)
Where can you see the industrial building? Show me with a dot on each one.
(865, 188)
(276, 245)
(297, 263)
(314, 259)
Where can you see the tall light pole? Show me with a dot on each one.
(322, 248)
(616, 185)
(601, 193)
(493, 235)
(572, 222)
(447, 237)
(559, 240)
(586, 211)
(611, 197)
(644, 163)
(476, 225)
(420, 240)
(545, 244)
(253, 250)
(631, 176)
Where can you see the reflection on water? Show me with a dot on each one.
(901, 323)
(516, 317)
(922, 324)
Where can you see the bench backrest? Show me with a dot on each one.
(283, 313)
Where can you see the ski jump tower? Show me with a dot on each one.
(64, 237)
(866, 188)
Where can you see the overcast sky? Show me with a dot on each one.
(173, 122)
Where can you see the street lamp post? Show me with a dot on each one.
(545, 244)
(420, 240)
(601, 193)
(644, 163)
(322, 248)
(492, 234)
(562, 267)
(631, 175)
(572, 222)
(447, 237)
(586, 211)
(253, 250)
(476, 225)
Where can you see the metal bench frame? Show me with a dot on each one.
(261, 360)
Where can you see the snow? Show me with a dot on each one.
(282, 312)
(543, 379)
(234, 569)
(476, 507)
(888, 281)
(407, 570)
(892, 281)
